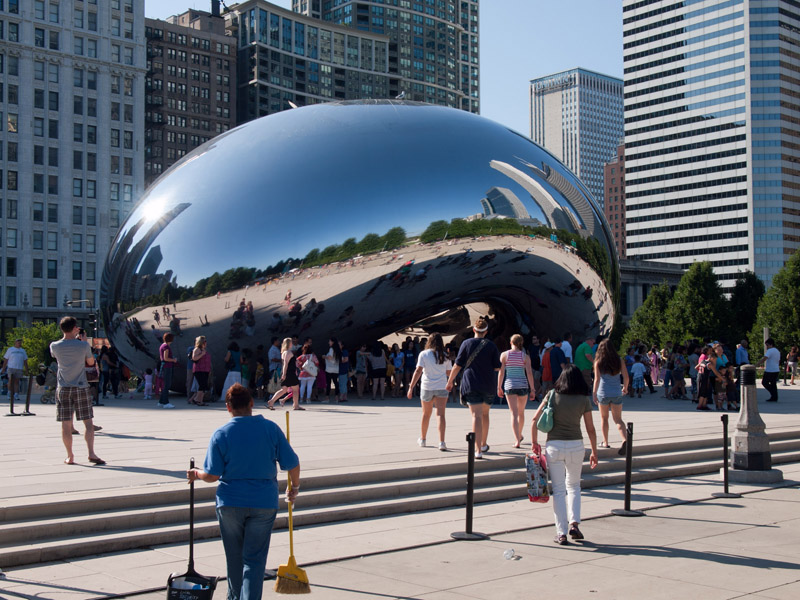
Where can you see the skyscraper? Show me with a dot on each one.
(71, 147)
(433, 44)
(577, 115)
(712, 121)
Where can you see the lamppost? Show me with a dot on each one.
(92, 315)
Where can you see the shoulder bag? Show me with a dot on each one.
(545, 422)
(470, 358)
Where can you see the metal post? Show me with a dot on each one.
(725, 451)
(28, 412)
(468, 534)
(627, 512)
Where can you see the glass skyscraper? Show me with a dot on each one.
(577, 115)
(712, 133)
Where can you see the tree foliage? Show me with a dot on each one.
(646, 322)
(36, 340)
(779, 310)
(698, 309)
(744, 300)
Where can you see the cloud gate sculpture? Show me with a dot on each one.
(358, 220)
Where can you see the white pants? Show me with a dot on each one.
(306, 387)
(564, 463)
(231, 378)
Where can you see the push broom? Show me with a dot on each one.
(291, 578)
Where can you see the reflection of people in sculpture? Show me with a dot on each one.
(175, 326)
(290, 384)
(479, 359)
(288, 297)
(515, 379)
(433, 368)
(157, 317)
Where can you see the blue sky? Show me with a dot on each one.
(520, 40)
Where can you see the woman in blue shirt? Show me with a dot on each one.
(242, 455)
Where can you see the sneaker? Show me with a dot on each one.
(442, 446)
(575, 533)
(485, 448)
(421, 442)
(478, 455)
(169, 405)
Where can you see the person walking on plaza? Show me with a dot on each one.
(433, 368)
(772, 368)
(72, 390)
(584, 357)
(565, 449)
(290, 384)
(791, 363)
(608, 392)
(168, 361)
(243, 456)
(15, 365)
(332, 359)
(307, 370)
(515, 380)
(479, 358)
(201, 367)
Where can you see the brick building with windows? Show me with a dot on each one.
(190, 88)
(614, 208)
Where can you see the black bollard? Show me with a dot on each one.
(468, 534)
(725, 452)
(28, 412)
(627, 512)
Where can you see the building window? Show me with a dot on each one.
(91, 243)
(38, 211)
(77, 188)
(11, 295)
(91, 216)
(52, 240)
(77, 242)
(11, 208)
(52, 294)
(52, 269)
(38, 268)
(37, 296)
(77, 270)
(77, 215)
(11, 238)
(91, 271)
(38, 240)
(52, 213)
(11, 266)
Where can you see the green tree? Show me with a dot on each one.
(371, 242)
(434, 232)
(349, 247)
(36, 340)
(779, 310)
(698, 309)
(646, 322)
(394, 238)
(213, 285)
(745, 297)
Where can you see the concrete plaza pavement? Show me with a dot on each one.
(720, 548)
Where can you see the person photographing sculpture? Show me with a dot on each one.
(242, 456)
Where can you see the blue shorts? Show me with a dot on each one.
(478, 398)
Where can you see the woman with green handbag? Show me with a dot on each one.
(569, 402)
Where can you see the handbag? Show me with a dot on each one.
(310, 367)
(471, 357)
(274, 382)
(545, 422)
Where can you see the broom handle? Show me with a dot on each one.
(191, 518)
(288, 489)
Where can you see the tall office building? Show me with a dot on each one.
(190, 87)
(433, 44)
(71, 148)
(577, 116)
(712, 133)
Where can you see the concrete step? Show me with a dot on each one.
(53, 530)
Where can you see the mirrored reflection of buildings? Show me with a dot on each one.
(578, 116)
(72, 167)
(191, 85)
(433, 46)
(355, 50)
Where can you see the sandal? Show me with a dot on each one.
(299, 408)
(603, 445)
(269, 407)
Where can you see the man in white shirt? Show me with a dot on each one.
(15, 365)
(772, 368)
(566, 346)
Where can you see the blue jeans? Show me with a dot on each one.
(166, 375)
(245, 534)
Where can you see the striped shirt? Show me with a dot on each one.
(515, 371)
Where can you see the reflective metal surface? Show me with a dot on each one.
(377, 216)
